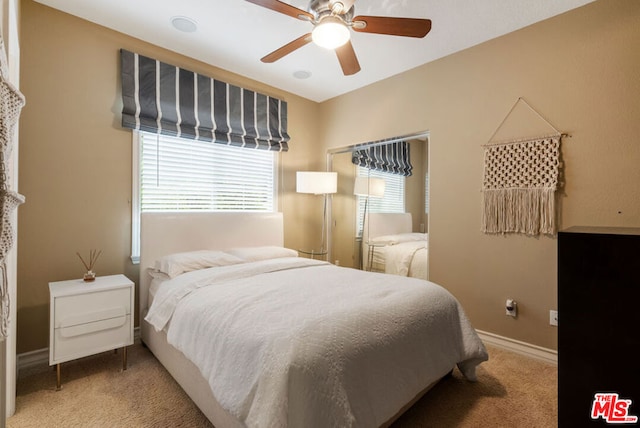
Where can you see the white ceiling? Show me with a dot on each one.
(235, 34)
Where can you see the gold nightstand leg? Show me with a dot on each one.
(124, 358)
(58, 384)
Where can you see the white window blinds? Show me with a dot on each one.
(391, 202)
(426, 194)
(179, 174)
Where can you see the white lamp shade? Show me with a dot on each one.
(369, 186)
(318, 183)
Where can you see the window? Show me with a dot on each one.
(179, 174)
(426, 193)
(391, 202)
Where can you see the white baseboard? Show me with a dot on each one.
(40, 357)
(28, 360)
(523, 348)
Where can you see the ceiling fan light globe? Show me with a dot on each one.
(330, 33)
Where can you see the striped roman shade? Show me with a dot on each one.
(165, 99)
(393, 158)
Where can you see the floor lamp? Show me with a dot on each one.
(367, 187)
(318, 183)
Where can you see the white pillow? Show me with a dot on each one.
(178, 263)
(254, 254)
(398, 238)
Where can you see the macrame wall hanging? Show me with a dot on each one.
(11, 103)
(520, 181)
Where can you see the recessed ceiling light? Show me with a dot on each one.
(302, 74)
(184, 24)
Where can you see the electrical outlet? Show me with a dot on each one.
(511, 308)
(553, 317)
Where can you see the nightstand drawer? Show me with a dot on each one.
(95, 321)
(91, 307)
(73, 342)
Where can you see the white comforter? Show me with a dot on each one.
(405, 258)
(302, 343)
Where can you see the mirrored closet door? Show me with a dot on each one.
(381, 209)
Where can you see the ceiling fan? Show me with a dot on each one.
(332, 20)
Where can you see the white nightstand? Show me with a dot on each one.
(87, 318)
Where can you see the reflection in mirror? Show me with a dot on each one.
(380, 228)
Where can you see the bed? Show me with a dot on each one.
(390, 246)
(288, 341)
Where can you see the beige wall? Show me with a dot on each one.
(75, 159)
(580, 70)
(414, 185)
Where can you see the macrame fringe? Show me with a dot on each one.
(528, 211)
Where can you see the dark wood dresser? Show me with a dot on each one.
(599, 323)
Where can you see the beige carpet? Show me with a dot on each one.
(512, 391)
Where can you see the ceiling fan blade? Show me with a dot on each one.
(281, 7)
(407, 27)
(287, 49)
(348, 59)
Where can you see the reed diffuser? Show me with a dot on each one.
(90, 275)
